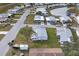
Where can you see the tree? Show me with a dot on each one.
(39, 13)
(73, 53)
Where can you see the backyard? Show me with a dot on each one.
(52, 41)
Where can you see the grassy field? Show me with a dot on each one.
(1, 36)
(5, 27)
(30, 19)
(5, 9)
(52, 41)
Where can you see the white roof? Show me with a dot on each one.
(14, 10)
(64, 33)
(23, 47)
(38, 17)
(50, 18)
(40, 33)
(3, 17)
(43, 10)
(77, 32)
(64, 18)
(59, 11)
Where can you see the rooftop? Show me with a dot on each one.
(65, 18)
(38, 17)
(46, 52)
(3, 17)
(50, 18)
(41, 9)
(64, 33)
(40, 33)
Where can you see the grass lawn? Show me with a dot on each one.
(1, 36)
(74, 35)
(5, 27)
(23, 35)
(30, 19)
(52, 41)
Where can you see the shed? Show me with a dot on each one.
(23, 47)
(39, 18)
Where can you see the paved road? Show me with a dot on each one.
(48, 26)
(11, 35)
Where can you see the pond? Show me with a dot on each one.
(59, 11)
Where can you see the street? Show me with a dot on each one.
(11, 35)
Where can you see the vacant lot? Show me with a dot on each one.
(23, 35)
(30, 19)
(52, 41)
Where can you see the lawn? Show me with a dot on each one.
(23, 35)
(30, 19)
(5, 27)
(52, 41)
(1, 36)
(74, 35)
